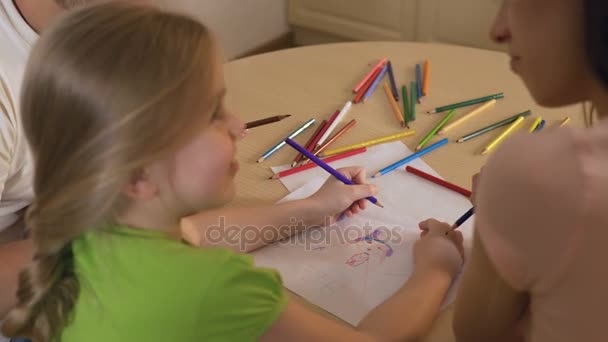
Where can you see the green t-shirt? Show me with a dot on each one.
(139, 285)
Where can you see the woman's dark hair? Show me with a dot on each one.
(596, 22)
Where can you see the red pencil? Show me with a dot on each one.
(312, 142)
(439, 181)
(366, 86)
(311, 165)
(369, 75)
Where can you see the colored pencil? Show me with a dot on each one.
(312, 165)
(369, 74)
(467, 116)
(466, 103)
(535, 124)
(406, 104)
(425, 78)
(335, 137)
(395, 106)
(409, 158)
(419, 83)
(502, 136)
(369, 143)
(463, 219)
(439, 181)
(436, 129)
(366, 86)
(280, 144)
(540, 127)
(266, 121)
(335, 123)
(493, 127)
(391, 78)
(328, 168)
(311, 144)
(413, 101)
(374, 85)
(564, 121)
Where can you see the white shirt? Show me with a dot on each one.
(16, 165)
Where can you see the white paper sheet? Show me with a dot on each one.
(346, 277)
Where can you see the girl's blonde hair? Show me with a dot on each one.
(108, 89)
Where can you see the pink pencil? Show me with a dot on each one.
(369, 75)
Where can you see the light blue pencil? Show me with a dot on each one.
(280, 144)
(373, 86)
(410, 158)
(419, 82)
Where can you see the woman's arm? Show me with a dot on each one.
(487, 308)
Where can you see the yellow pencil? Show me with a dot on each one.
(370, 143)
(564, 121)
(468, 116)
(535, 124)
(394, 104)
(503, 136)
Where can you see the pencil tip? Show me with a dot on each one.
(418, 148)
(376, 175)
(379, 204)
(260, 160)
(460, 140)
(441, 132)
(274, 177)
(484, 152)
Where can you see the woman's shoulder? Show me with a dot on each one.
(536, 165)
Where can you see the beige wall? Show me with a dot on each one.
(241, 25)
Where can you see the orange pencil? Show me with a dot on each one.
(395, 106)
(425, 79)
(332, 139)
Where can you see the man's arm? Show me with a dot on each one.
(14, 256)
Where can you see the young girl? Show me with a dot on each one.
(538, 265)
(123, 110)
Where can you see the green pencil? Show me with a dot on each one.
(413, 100)
(466, 103)
(406, 106)
(493, 126)
(434, 131)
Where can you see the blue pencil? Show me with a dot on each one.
(327, 168)
(410, 158)
(281, 143)
(419, 82)
(373, 86)
(391, 77)
(541, 125)
(463, 218)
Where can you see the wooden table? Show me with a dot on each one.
(314, 81)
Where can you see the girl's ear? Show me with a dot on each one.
(141, 186)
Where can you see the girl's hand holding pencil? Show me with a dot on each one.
(335, 198)
(439, 249)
